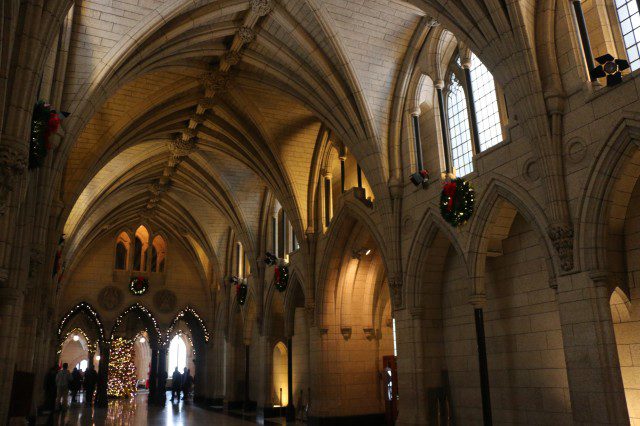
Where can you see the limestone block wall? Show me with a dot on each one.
(625, 312)
(525, 352)
(524, 341)
(95, 270)
(300, 357)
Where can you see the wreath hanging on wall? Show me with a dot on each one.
(139, 285)
(44, 123)
(456, 201)
(241, 293)
(281, 276)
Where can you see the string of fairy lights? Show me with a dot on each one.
(122, 371)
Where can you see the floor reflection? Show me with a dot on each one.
(136, 411)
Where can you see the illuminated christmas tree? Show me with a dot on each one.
(122, 369)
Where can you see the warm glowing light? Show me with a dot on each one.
(142, 340)
(97, 357)
(76, 337)
(368, 252)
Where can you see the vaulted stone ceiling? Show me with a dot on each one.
(196, 111)
(188, 114)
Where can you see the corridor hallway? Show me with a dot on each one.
(137, 412)
(352, 212)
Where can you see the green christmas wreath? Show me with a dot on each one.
(456, 202)
(138, 285)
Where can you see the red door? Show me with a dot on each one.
(390, 383)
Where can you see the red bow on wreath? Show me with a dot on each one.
(138, 284)
(277, 274)
(450, 190)
(52, 128)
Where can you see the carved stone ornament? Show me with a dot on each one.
(215, 81)
(181, 147)
(13, 163)
(246, 34)
(396, 292)
(35, 261)
(261, 7)
(165, 301)
(110, 298)
(156, 188)
(562, 239)
(310, 314)
(233, 57)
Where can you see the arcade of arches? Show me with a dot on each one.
(195, 136)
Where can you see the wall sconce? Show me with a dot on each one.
(357, 254)
(76, 337)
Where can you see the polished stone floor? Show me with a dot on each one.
(136, 412)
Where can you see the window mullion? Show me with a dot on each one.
(475, 135)
(443, 128)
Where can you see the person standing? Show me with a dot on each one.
(63, 379)
(176, 384)
(50, 389)
(187, 383)
(183, 386)
(90, 381)
(162, 386)
(76, 381)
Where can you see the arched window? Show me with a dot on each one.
(485, 101)
(158, 254)
(121, 256)
(629, 19)
(282, 233)
(177, 354)
(140, 246)
(240, 260)
(122, 251)
(459, 132)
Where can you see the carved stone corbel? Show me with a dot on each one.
(13, 163)
(395, 285)
(310, 313)
(562, 239)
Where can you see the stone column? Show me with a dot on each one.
(593, 368)
(153, 374)
(413, 406)
(161, 390)
(11, 301)
(103, 374)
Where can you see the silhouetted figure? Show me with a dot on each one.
(187, 383)
(162, 386)
(176, 384)
(63, 379)
(50, 389)
(90, 381)
(76, 382)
